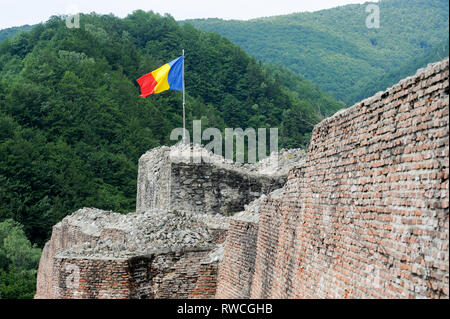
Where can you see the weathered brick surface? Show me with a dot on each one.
(267, 244)
(63, 236)
(367, 215)
(206, 285)
(236, 269)
(177, 274)
(81, 278)
(171, 275)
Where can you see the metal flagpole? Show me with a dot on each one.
(184, 106)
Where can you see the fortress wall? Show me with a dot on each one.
(101, 254)
(208, 188)
(88, 278)
(153, 183)
(167, 275)
(267, 247)
(367, 215)
(63, 236)
(364, 215)
(236, 269)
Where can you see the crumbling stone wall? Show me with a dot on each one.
(367, 215)
(153, 183)
(63, 236)
(363, 215)
(157, 254)
(193, 180)
(206, 188)
(172, 246)
(166, 275)
(89, 278)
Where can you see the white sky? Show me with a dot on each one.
(20, 12)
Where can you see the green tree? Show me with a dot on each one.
(18, 262)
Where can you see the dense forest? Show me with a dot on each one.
(11, 32)
(72, 124)
(380, 83)
(336, 50)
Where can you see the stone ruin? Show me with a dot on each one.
(172, 245)
(194, 180)
(363, 214)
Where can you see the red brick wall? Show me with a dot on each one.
(206, 285)
(267, 243)
(80, 278)
(176, 274)
(166, 275)
(63, 236)
(171, 275)
(236, 269)
(367, 215)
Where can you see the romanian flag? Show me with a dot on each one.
(167, 77)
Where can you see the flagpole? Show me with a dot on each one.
(184, 106)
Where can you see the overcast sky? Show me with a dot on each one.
(20, 12)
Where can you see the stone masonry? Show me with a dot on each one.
(171, 179)
(155, 254)
(366, 214)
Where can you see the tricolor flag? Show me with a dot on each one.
(167, 77)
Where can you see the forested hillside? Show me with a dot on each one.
(11, 32)
(380, 83)
(72, 124)
(336, 50)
